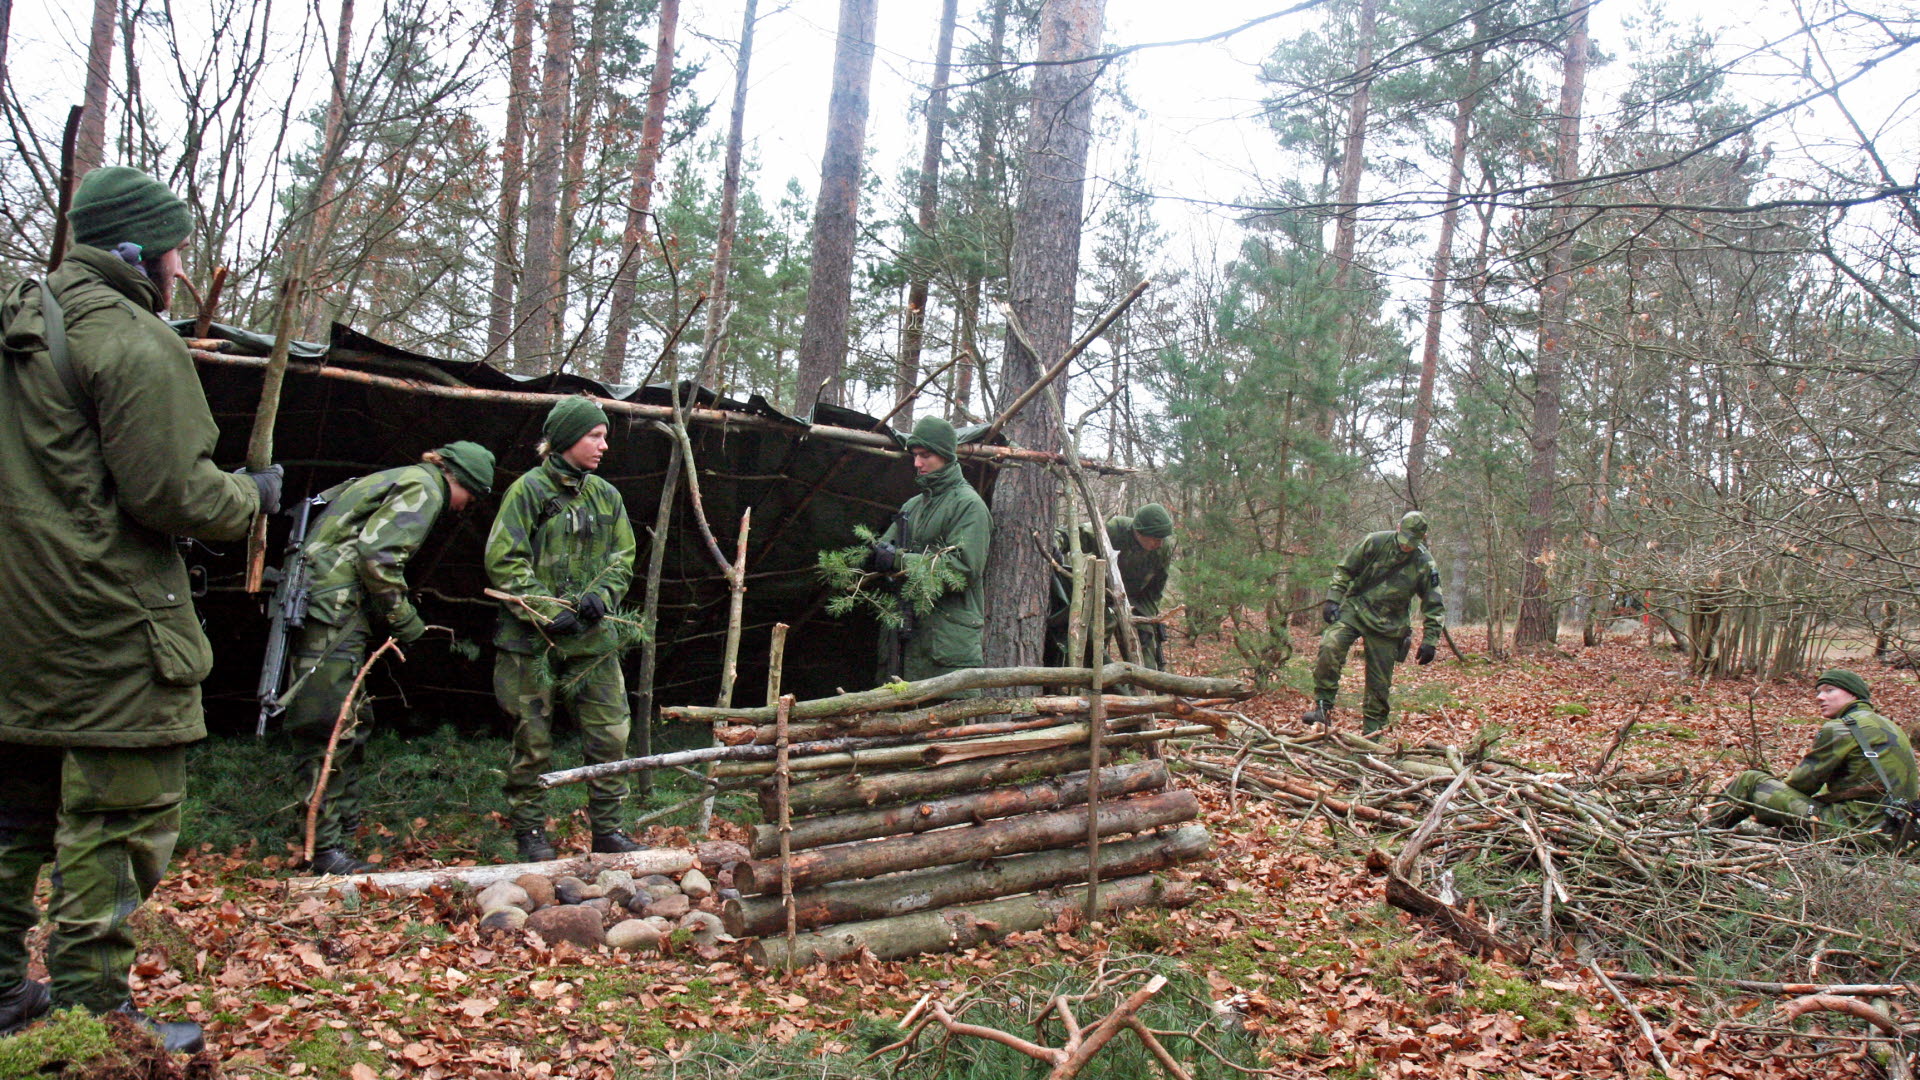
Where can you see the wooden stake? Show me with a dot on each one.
(1096, 730)
(203, 326)
(650, 613)
(786, 829)
(340, 727)
(260, 444)
(64, 197)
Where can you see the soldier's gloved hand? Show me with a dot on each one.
(565, 624)
(1329, 611)
(885, 558)
(1426, 653)
(410, 631)
(269, 480)
(591, 609)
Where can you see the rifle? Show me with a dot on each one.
(292, 588)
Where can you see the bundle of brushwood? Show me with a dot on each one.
(1508, 859)
(902, 820)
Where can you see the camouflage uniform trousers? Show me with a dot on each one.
(107, 819)
(310, 719)
(1772, 802)
(598, 702)
(1381, 654)
(1152, 637)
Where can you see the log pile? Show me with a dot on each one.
(899, 823)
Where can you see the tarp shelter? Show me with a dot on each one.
(357, 406)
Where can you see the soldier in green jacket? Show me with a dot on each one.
(106, 456)
(1835, 785)
(948, 521)
(357, 557)
(1371, 600)
(563, 545)
(1144, 547)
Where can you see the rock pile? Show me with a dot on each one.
(616, 909)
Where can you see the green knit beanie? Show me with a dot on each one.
(1845, 680)
(1153, 520)
(119, 205)
(569, 420)
(935, 434)
(471, 464)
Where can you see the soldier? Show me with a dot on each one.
(106, 456)
(1839, 784)
(1371, 599)
(947, 520)
(358, 556)
(563, 545)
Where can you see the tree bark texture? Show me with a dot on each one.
(921, 890)
(319, 225)
(1353, 153)
(1051, 794)
(539, 281)
(513, 181)
(1044, 270)
(920, 275)
(987, 164)
(1535, 625)
(884, 789)
(938, 717)
(713, 344)
(945, 753)
(613, 363)
(407, 882)
(836, 212)
(584, 95)
(90, 149)
(961, 927)
(1007, 836)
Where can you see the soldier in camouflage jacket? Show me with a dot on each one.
(563, 545)
(357, 556)
(1371, 601)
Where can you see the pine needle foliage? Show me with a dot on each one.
(922, 580)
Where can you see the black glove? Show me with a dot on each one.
(269, 481)
(591, 609)
(1329, 611)
(885, 558)
(1426, 653)
(565, 624)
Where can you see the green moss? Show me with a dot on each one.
(1670, 731)
(58, 1046)
(1541, 1011)
(330, 1052)
(1573, 708)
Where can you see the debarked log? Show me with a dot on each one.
(671, 861)
(962, 750)
(945, 886)
(1052, 794)
(962, 927)
(1007, 836)
(884, 789)
(935, 717)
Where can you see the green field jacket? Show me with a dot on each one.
(949, 518)
(358, 554)
(1385, 609)
(560, 533)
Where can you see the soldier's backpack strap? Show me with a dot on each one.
(1899, 813)
(55, 318)
(1404, 559)
(1872, 755)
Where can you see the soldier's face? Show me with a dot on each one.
(926, 461)
(163, 271)
(458, 497)
(586, 453)
(1147, 543)
(1832, 701)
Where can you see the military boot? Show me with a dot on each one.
(23, 1004)
(534, 846)
(335, 860)
(1321, 713)
(175, 1037)
(614, 843)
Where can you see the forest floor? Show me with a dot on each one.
(1318, 976)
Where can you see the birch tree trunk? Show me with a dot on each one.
(538, 299)
(513, 179)
(713, 341)
(823, 337)
(1535, 624)
(613, 363)
(921, 274)
(89, 148)
(1043, 273)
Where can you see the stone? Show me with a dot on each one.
(539, 890)
(656, 879)
(599, 905)
(724, 878)
(569, 922)
(610, 878)
(661, 892)
(504, 918)
(705, 927)
(504, 894)
(569, 890)
(635, 935)
(664, 925)
(728, 893)
(670, 907)
(695, 884)
(619, 895)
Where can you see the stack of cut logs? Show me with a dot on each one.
(913, 827)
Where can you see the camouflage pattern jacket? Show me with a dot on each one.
(102, 644)
(358, 553)
(948, 513)
(561, 532)
(1836, 772)
(1143, 572)
(1387, 606)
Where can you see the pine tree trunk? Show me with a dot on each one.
(613, 363)
(1353, 155)
(89, 148)
(320, 226)
(921, 275)
(1535, 624)
(985, 156)
(1437, 294)
(513, 180)
(1044, 271)
(585, 95)
(538, 300)
(713, 343)
(823, 337)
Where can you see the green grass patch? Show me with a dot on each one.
(1426, 697)
(1573, 708)
(329, 1052)
(58, 1046)
(1677, 732)
(1541, 1011)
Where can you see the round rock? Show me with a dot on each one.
(695, 884)
(539, 890)
(635, 935)
(705, 926)
(656, 879)
(601, 906)
(670, 907)
(504, 894)
(564, 922)
(503, 918)
(610, 878)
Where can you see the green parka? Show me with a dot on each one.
(1386, 607)
(1836, 772)
(1143, 572)
(103, 646)
(561, 532)
(947, 513)
(358, 554)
